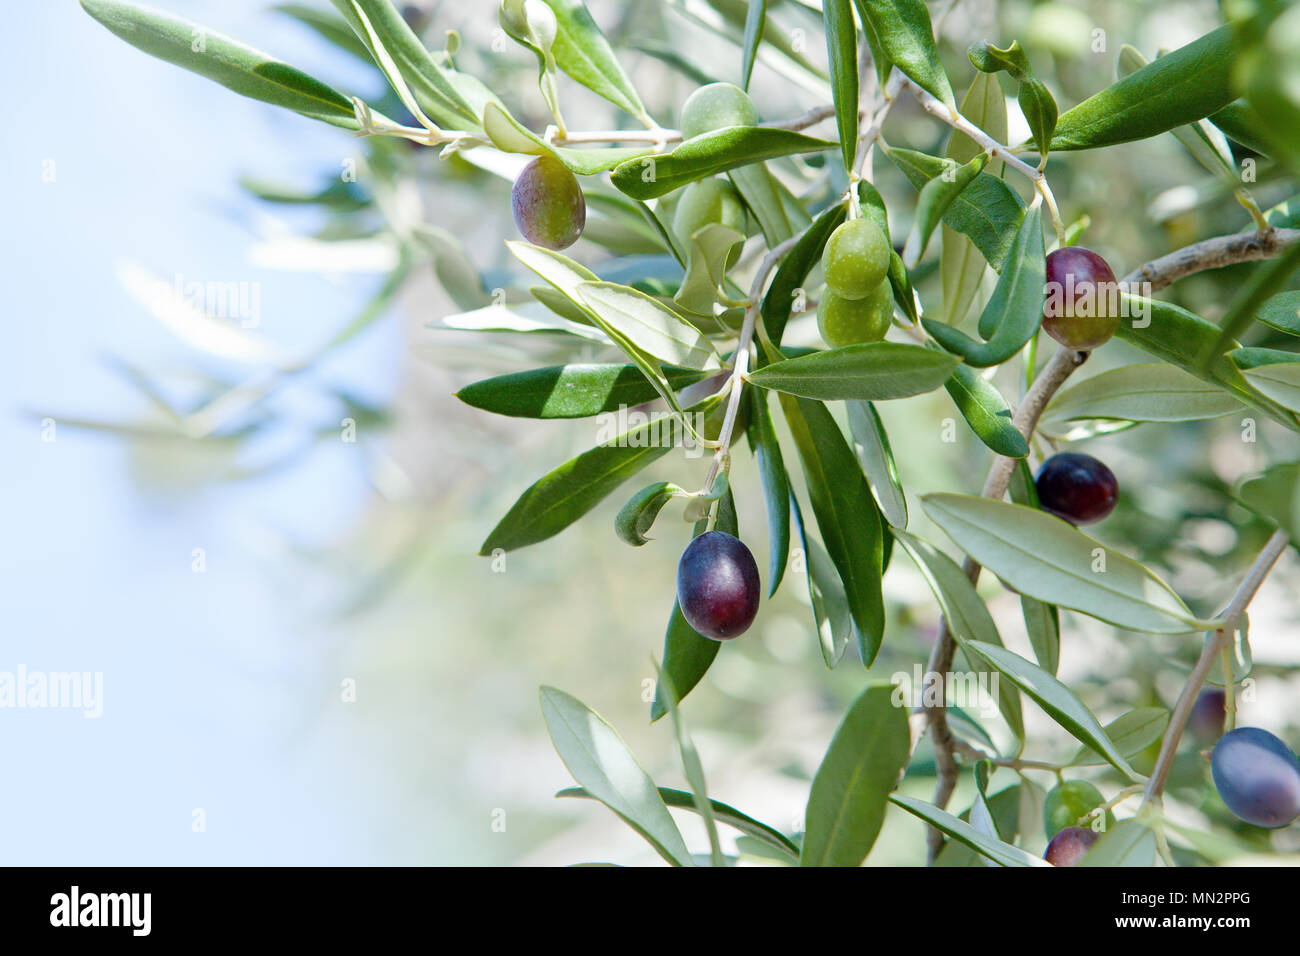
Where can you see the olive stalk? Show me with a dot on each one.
(1214, 645)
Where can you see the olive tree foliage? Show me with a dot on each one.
(689, 306)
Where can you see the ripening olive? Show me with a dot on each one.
(548, 204)
(855, 259)
(1081, 307)
(1069, 846)
(716, 106)
(718, 586)
(1257, 776)
(1209, 714)
(853, 321)
(1077, 487)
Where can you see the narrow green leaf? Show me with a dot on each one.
(602, 764)
(1262, 286)
(988, 210)
(986, 411)
(968, 617)
(558, 499)
(1004, 854)
(847, 516)
(650, 326)
(581, 51)
(842, 54)
(1042, 621)
(776, 487)
(1131, 733)
(872, 372)
(936, 197)
(1176, 336)
(961, 266)
(569, 391)
(1129, 843)
(1056, 699)
(830, 605)
(1048, 559)
(716, 152)
(872, 445)
(866, 757)
(1015, 310)
(755, 22)
(1272, 372)
(1179, 88)
(762, 194)
(903, 31)
(693, 770)
(1275, 497)
(1282, 312)
(637, 517)
(681, 800)
(1142, 393)
(223, 59)
(1035, 100)
(687, 653)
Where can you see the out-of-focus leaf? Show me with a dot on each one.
(1275, 496)
(1131, 733)
(1128, 843)
(1282, 312)
(1004, 854)
(755, 24)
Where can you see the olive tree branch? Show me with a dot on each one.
(1212, 254)
(1214, 645)
(935, 716)
(740, 366)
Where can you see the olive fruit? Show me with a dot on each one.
(1081, 308)
(716, 106)
(1257, 776)
(548, 204)
(1069, 846)
(717, 585)
(1077, 487)
(853, 321)
(1209, 714)
(855, 259)
(1070, 803)
(708, 202)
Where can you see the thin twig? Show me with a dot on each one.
(1214, 645)
(1212, 254)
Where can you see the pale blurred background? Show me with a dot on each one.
(334, 676)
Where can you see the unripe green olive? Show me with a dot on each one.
(854, 321)
(716, 106)
(855, 259)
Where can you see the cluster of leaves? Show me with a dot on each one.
(672, 311)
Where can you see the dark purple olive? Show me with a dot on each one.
(718, 586)
(1077, 487)
(1081, 305)
(1257, 776)
(1068, 847)
(547, 201)
(1209, 714)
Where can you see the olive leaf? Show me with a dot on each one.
(1042, 621)
(986, 411)
(569, 391)
(606, 769)
(874, 371)
(830, 605)
(873, 208)
(659, 173)
(1131, 733)
(1282, 312)
(223, 59)
(988, 210)
(1181, 87)
(961, 266)
(1275, 497)
(510, 136)
(900, 30)
(936, 196)
(1003, 854)
(1129, 843)
(708, 251)
(842, 54)
(636, 517)
(872, 446)
(776, 487)
(1015, 310)
(1046, 558)
(846, 804)
(1141, 393)
(1035, 100)
(693, 769)
(1263, 284)
(755, 26)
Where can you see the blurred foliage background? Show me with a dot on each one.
(448, 648)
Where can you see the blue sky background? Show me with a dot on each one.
(200, 670)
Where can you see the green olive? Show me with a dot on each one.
(856, 258)
(716, 106)
(854, 321)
